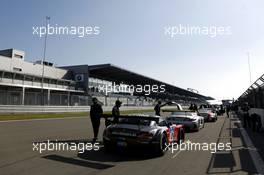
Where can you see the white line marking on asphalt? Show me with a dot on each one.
(40, 119)
(176, 154)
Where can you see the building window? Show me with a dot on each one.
(8, 75)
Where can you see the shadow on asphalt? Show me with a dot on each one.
(73, 161)
(99, 159)
(225, 162)
(117, 155)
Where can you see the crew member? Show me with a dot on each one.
(227, 110)
(115, 111)
(246, 117)
(95, 114)
(157, 108)
(195, 108)
(191, 108)
(256, 122)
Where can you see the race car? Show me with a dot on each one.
(189, 119)
(208, 114)
(142, 130)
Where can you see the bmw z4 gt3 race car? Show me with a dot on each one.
(142, 130)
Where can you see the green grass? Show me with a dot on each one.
(26, 116)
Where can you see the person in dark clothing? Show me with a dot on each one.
(195, 108)
(157, 108)
(95, 114)
(246, 117)
(222, 111)
(256, 122)
(191, 107)
(228, 110)
(115, 111)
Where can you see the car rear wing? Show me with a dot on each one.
(143, 117)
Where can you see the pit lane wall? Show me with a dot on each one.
(57, 109)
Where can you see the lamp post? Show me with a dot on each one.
(249, 69)
(43, 60)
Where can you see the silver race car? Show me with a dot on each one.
(208, 114)
(189, 119)
(142, 130)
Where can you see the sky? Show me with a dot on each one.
(132, 36)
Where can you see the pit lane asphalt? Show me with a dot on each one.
(17, 156)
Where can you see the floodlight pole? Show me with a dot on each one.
(249, 69)
(43, 60)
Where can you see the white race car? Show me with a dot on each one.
(208, 114)
(189, 119)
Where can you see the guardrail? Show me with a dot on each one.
(40, 109)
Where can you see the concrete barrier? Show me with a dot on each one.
(59, 109)
(40, 109)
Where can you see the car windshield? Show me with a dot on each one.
(135, 121)
(181, 113)
(176, 119)
(205, 110)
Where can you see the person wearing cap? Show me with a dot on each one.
(95, 114)
(115, 111)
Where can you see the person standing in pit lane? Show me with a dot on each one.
(195, 108)
(228, 110)
(191, 108)
(246, 117)
(256, 122)
(157, 108)
(115, 111)
(95, 115)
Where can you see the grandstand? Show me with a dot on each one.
(41, 83)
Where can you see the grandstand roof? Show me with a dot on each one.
(120, 75)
